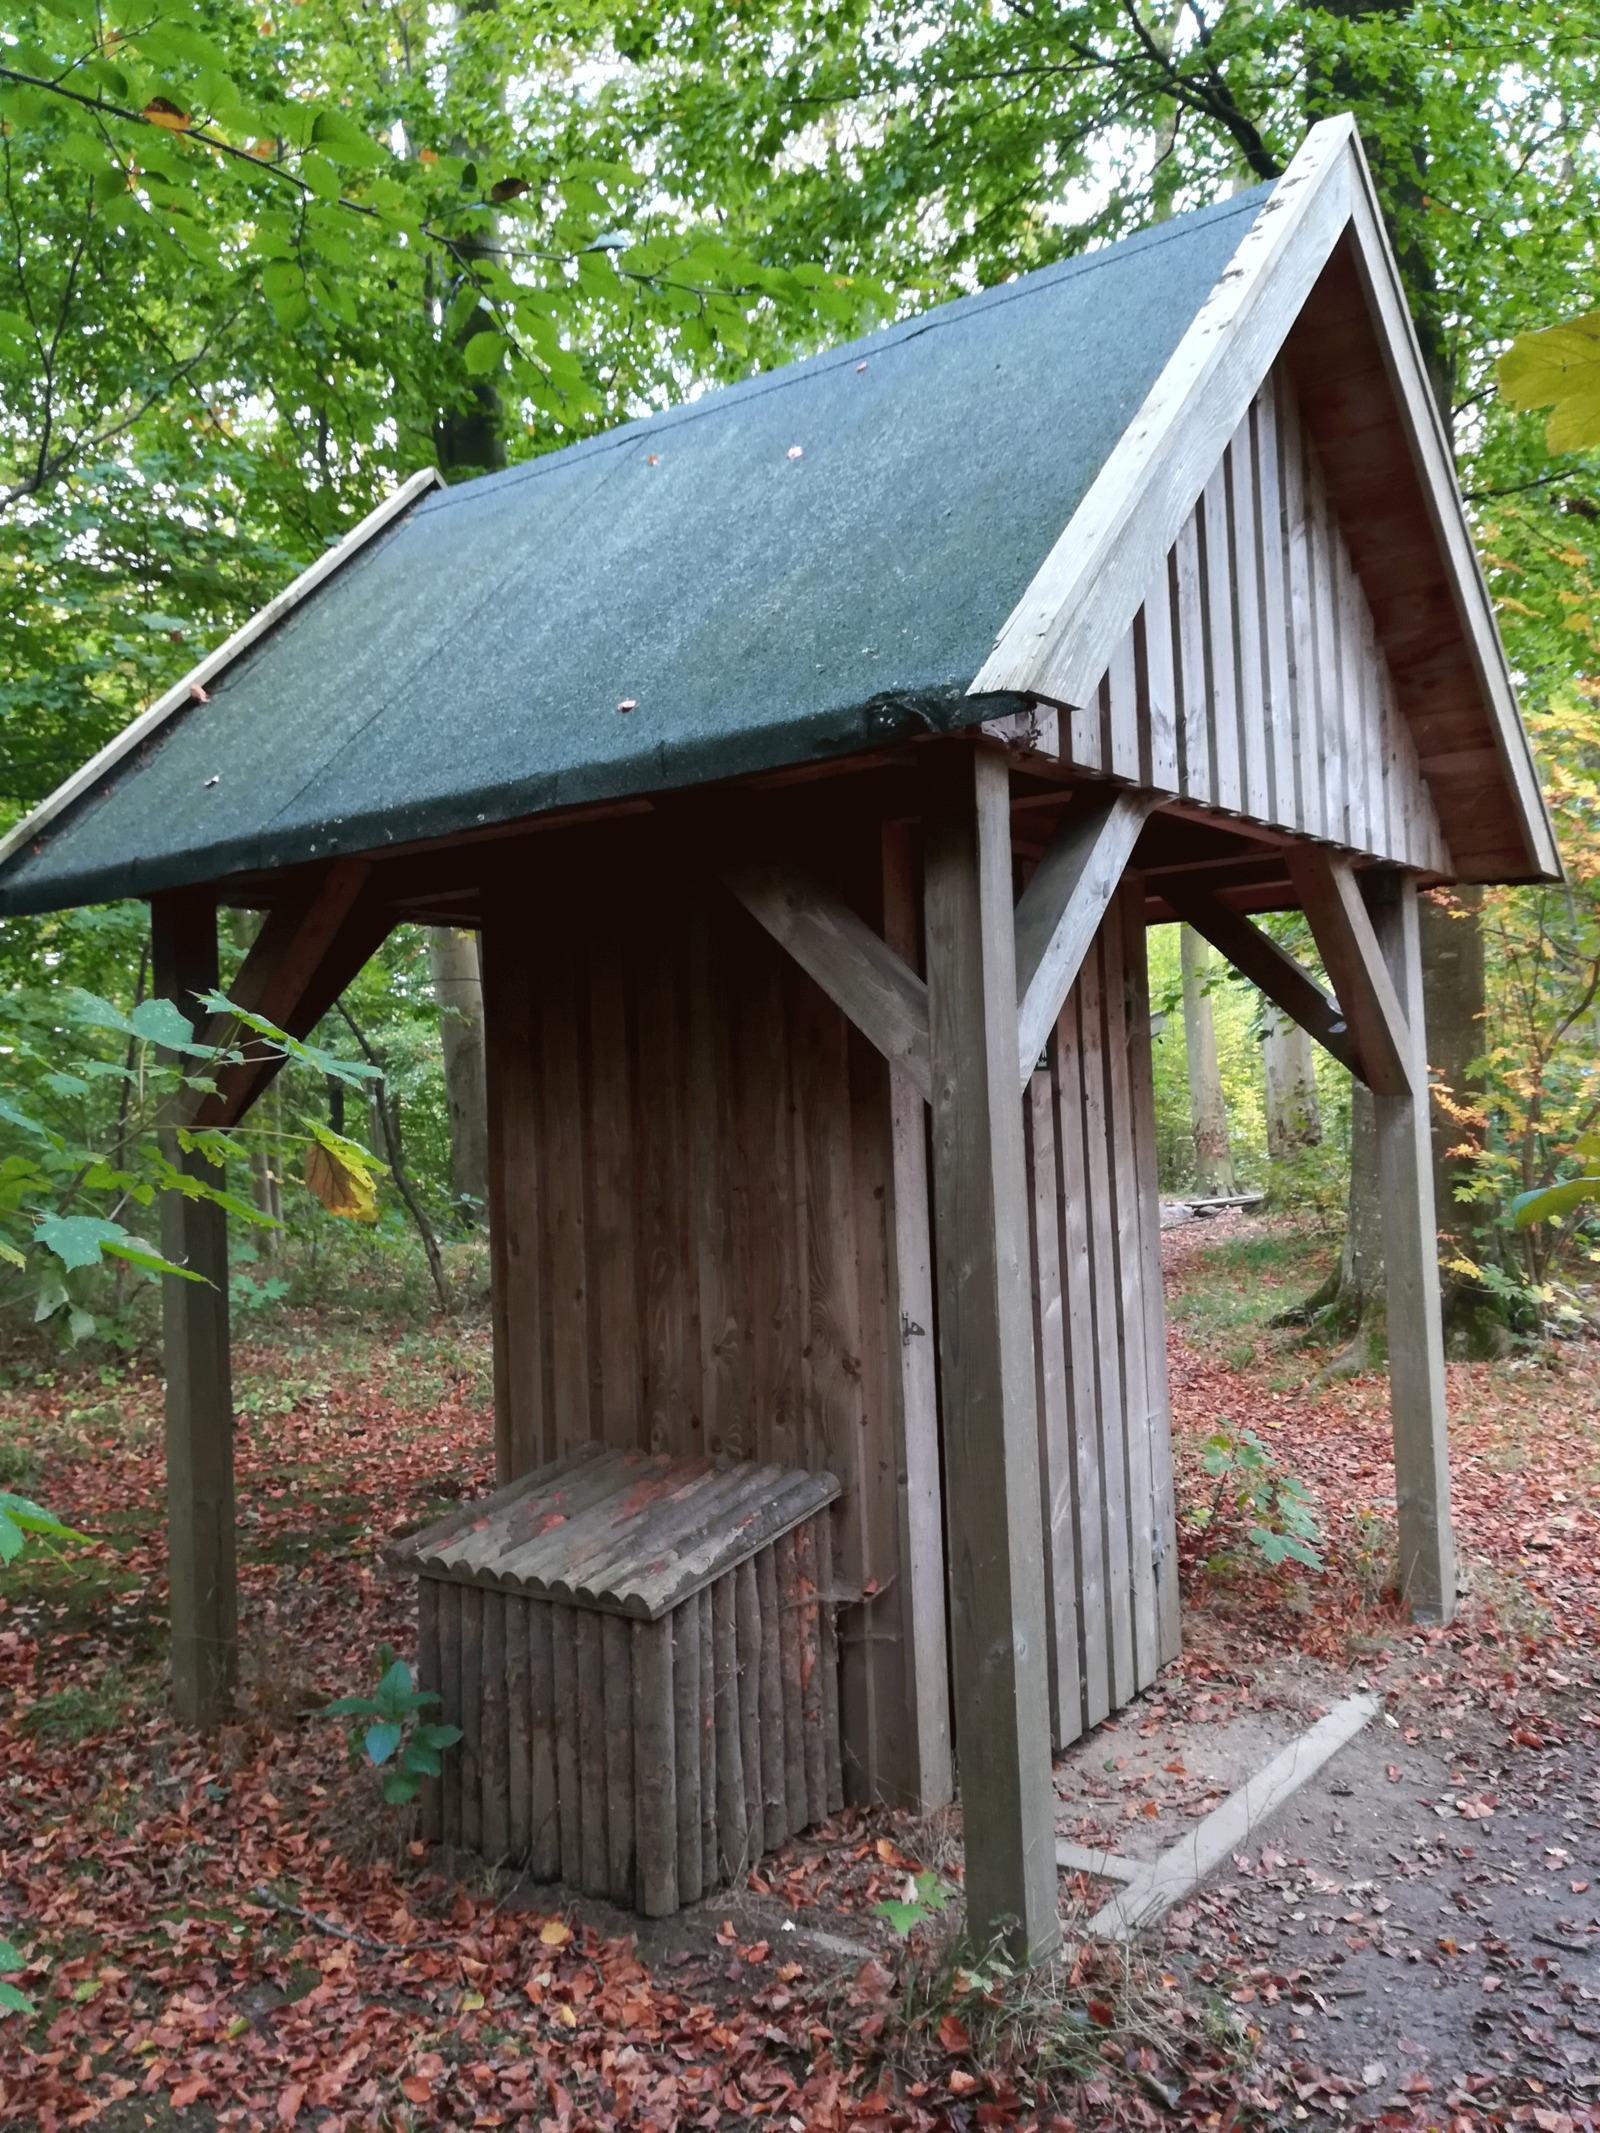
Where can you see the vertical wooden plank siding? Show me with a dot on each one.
(1189, 637)
(449, 1707)
(494, 1751)
(1222, 684)
(1284, 804)
(522, 1441)
(616, 1690)
(1128, 1309)
(565, 1238)
(430, 1800)
(1279, 683)
(655, 1789)
(1106, 1414)
(610, 1208)
(1056, 1492)
(1099, 1326)
(1077, 1283)
(1245, 537)
(1153, 1310)
(470, 1661)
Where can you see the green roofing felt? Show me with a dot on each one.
(809, 563)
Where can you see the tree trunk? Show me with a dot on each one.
(1294, 1121)
(1213, 1165)
(458, 989)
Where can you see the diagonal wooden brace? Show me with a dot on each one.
(1340, 924)
(1269, 967)
(1060, 911)
(861, 974)
(301, 960)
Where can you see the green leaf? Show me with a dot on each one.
(20, 1519)
(399, 1788)
(381, 1740)
(483, 353)
(350, 1707)
(341, 140)
(1552, 1201)
(77, 1240)
(14, 2002)
(1559, 369)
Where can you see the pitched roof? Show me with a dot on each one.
(949, 519)
(786, 570)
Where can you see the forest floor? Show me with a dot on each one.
(238, 1932)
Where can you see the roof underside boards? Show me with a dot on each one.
(807, 564)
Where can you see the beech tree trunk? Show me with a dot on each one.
(1213, 1164)
(458, 989)
(1294, 1119)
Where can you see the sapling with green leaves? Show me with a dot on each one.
(78, 1184)
(395, 1738)
(1255, 1491)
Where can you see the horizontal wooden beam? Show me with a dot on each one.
(1060, 911)
(1268, 966)
(858, 970)
(1330, 896)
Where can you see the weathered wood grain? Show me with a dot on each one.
(986, 1357)
(872, 986)
(1417, 1401)
(494, 1754)
(621, 1777)
(655, 1769)
(202, 1576)
(430, 1799)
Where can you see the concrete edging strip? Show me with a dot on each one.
(1184, 1865)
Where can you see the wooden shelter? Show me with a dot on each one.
(812, 758)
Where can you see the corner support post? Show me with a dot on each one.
(199, 1406)
(1411, 1275)
(997, 1598)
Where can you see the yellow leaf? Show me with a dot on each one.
(1559, 369)
(471, 2002)
(343, 1187)
(555, 1933)
(565, 2015)
(162, 113)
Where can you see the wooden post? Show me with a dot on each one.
(1411, 1275)
(194, 1233)
(997, 1604)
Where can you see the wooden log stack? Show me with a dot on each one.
(640, 1652)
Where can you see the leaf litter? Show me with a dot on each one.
(236, 1932)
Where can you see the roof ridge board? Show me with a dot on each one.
(951, 311)
(1058, 639)
(181, 694)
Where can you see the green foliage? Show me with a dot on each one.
(1257, 1496)
(11, 2000)
(22, 1519)
(925, 1897)
(393, 1734)
(75, 1166)
(1558, 368)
